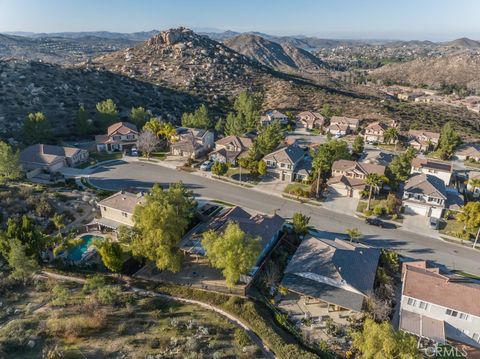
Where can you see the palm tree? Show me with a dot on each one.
(391, 135)
(154, 126)
(58, 222)
(353, 234)
(474, 183)
(168, 132)
(374, 181)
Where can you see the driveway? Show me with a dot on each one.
(340, 204)
(415, 245)
(418, 224)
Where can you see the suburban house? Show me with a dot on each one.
(329, 278)
(229, 149)
(423, 140)
(286, 164)
(375, 132)
(192, 142)
(474, 190)
(51, 158)
(424, 194)
(120, 136)
(439, 307)
(266, 227)
(310, 120)
(343, 125)
(439, 169)
(349, 177)
(274, 115)
(117, 210)
(469, 152)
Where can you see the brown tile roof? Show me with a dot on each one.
(377, 126)
(290, 154)
(122, 128)
(426, 185)
(421, 133)
(123, 201)
(418, 162)
(348, 181)
(344, 120)
(451, 292)
(311, 117)
(366, 168)
(338, 127)
(237, 141)
(469, 150)
(46, 154)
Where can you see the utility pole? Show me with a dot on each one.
(318, 181)
(476, 238)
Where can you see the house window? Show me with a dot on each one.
(282, 165)
(452, 313)
(476, 337)
(411, 302)
(466, 331)
(124, 214)
(117, 137)
(104, 208)
(423, 305)
(463, 316)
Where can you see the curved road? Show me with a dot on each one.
(122, 175)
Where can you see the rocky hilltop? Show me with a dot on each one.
(280, 56)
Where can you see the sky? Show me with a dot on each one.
(353, 19)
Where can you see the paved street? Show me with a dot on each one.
(121, 175)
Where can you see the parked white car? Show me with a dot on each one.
(207, 165)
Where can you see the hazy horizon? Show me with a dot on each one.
(434, 20)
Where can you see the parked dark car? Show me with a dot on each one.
(375, 222)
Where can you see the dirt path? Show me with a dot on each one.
(147, 293)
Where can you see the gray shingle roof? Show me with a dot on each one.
(426, 185)
(290, 154)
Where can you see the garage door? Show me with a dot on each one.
(413, 209)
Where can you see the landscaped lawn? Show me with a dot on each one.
(362, 205)
(453, 228)
(96, 157)
(297, 188)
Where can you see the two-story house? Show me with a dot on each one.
(375, 132)
(120, 136)
(274, 115)
(440, 169)
(117, 210)
(349, 177)
(192, 142)
(439, 307)
(423, 140)
(51, 158)
(424, 194)
(340, 125)
(310, 120)
(284, 163)
(229, 149)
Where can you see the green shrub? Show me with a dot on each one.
(109, 295)
(93, 283)
(61, 296)
(219, 168)
(241, 339)
(378, 210)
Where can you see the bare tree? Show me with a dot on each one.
(147, 142)
(271, 275)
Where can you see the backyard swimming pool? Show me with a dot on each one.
(76, 253)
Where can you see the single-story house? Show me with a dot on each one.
(192, 142)
(469, 152)
(274, 115)
(439, 307)
(266, 227)
(329, 278)
(51, 158)
(425, 195)
(229, 149)
(120, 136)
(440, 169)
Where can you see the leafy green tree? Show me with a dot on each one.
(93, 283)
(24, 230)
(160, 223)
(449, 140)
(247, 107)
(139, 116)
(353, 234)
(391, 135)
(300, 223)
(380, 340)
(83, 125)
(61, 296)
(327, 110)
(233, 125)
(234, 252)
(324, 156)
(9, 163)
(197, 119)
(262, 167)
(59, 222)
(374, 182)
(220, 126)
(107, 113)
(358, 145)
(112, 255)
(269, 138)
(219, 168)
(154, 126)
(401, 165)
(22, 266)
(36, 128)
